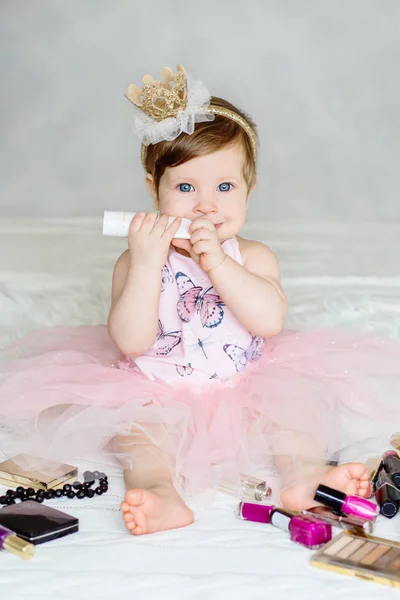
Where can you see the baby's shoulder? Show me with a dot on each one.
(252, 248)
(258, 258)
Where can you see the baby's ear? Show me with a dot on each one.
(150, 184)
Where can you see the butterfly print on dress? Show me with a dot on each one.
(183, 370)
(242, 356)
(166, 340)
(195, 299)
(166, 277)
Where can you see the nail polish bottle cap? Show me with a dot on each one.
(330, 497)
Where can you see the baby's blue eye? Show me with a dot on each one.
(224, 187)
(186, 187)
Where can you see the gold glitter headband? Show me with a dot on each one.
(171, 106)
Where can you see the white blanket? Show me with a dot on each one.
(59, 272)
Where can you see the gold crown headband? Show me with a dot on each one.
(166, 108)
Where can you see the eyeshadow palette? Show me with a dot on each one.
(37, 523)
(13, 475)
(366, 557)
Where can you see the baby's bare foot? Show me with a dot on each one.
(157, 509)
(350, 478)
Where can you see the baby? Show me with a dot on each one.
(208, 177)
(194, 381)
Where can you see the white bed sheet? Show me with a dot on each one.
(58, 272)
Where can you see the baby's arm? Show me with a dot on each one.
(133, 318)
(136, 288)
(253, 291)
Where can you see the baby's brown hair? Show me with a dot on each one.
(208, 137)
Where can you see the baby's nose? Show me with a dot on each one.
(206, 205)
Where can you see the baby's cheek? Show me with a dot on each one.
(174, 206)
(168, 206)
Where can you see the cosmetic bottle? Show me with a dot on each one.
(387, 495)
(249, 487)
(349, 505)
(117, 224)
(14, 544)
(306, 530)
(258, 513)
(391, 463)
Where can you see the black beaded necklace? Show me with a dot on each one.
(75, 490)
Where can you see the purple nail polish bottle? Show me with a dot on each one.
(259, 513)
(304, 529)
(348, 505)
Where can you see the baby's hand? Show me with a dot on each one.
(204, 246)
(149, 239)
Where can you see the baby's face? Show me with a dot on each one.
(209, 186)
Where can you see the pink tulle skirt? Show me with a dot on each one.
(336, 391)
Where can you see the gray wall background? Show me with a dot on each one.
(320, 77)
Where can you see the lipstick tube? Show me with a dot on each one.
(387, 495)
(14, 544)
(304, 529)
(117, 224)
(349, 505)
(391, 463)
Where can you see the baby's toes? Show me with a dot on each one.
(137, 529)
(131, 525)
(124, 506)
(356, 471)
(128, 516)
(364, 488)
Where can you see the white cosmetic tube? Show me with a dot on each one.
(117, 224)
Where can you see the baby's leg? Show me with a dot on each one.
(295, 455)
(151, 501)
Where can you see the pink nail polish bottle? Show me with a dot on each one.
(304, 529)
(348, 505)
(258, 513)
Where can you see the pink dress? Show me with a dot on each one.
(217, 400)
